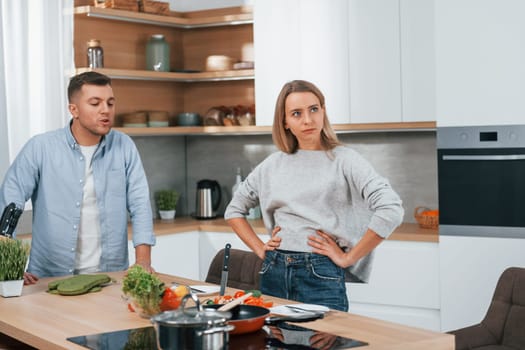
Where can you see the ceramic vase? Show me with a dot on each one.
(167, 214)
(11, 288)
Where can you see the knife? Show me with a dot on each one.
(9, 219)
(224, 275)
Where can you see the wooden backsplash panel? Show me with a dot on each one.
(123, 51)
(133, 95)
(200, 97)
(203, 42)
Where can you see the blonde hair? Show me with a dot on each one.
(283, 138)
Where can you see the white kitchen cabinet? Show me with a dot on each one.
(176, 254)
(470, 268)
(301, 39)
(480, 75)
(373, 59)
(403, 286)
(418, 66)
(392, 68)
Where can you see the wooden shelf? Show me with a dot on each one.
(130, 74)
(165, 21)
(266, 130)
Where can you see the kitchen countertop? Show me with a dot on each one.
(405, 232)
(45, 320)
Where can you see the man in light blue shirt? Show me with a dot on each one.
(83, 180)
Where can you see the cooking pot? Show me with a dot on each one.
(251, 318)
(208, 199)
(193, 328)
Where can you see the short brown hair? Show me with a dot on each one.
(91, 78)
(283, 138)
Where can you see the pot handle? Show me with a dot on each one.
(217, 198)
(226, 328)
(306, 317)
(194, 298)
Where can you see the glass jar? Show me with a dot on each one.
(157, 54)
(95, 54)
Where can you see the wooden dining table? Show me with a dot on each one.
(45, 320)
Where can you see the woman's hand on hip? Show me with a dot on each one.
(322, 243)
(275, 241)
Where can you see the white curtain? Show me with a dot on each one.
(36, 62)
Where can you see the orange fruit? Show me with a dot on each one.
(181, 291)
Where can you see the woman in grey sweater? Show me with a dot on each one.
(323, 204)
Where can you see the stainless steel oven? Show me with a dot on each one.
(481, 181)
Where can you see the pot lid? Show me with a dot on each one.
(191, 317)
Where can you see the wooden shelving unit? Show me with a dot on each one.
(167, 21)
(192, 37)
(267, 130)
(132, 74)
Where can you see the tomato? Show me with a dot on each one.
(238, 294)
(267, 304)
(170, 300)
(253, 301)
(223, 299)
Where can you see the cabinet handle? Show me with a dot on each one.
(485, 157)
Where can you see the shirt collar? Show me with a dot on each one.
(72, 142)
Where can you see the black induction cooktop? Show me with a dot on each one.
(282, 336)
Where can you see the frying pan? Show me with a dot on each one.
(251, 318)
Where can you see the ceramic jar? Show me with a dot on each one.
(157, 54)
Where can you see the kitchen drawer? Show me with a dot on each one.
(403, 274)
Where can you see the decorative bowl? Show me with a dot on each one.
(188, 119)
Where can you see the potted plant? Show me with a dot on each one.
(166, 201)
(13, 258)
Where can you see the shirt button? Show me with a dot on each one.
(81, 158)
(81, 181)
(70, 270)
(78, 204)
(72, 249)
(75, 227)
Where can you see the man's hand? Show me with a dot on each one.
(143, 257)
(145, 265)
(29, 278)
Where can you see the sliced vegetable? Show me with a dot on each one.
(255, 292)
(255, 299)
(239, 294)
(170, 300)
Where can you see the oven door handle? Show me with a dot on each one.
(484, 157)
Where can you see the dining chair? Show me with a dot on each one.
(503, 327)
(244, 267)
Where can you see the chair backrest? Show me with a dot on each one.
(503, 327)
(508, 304)
(244, 267)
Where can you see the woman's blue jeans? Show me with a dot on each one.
(305, 277)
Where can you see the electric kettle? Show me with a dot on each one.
(208, 199)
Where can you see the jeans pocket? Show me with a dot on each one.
(267, 262)
(264, 268)
(326, 270)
